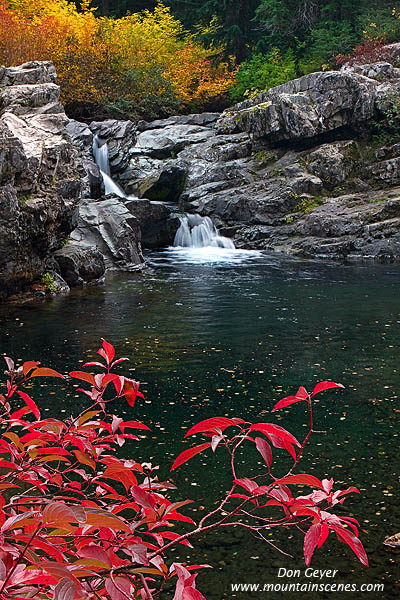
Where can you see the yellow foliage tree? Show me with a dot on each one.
(101, 60)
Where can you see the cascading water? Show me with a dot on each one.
(100, 154)
(200, 232)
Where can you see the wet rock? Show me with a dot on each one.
(168, 141)
(157, 226)
(79, 265)
(30, 230)
(120, 137)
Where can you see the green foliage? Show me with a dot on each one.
(151, 95)
(263, 71)
(308, 204)
(48, 282)
(391, 111)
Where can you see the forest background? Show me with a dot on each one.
(145, 59)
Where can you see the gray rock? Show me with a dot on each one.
(120, 137)
(157, 225)
(80, 265)
(30, 230)
(29, 73)
(108, 225)
(43, 175)
(203, 119)
(333, 163)
(307, 107)
(168, 141)
(80, 135)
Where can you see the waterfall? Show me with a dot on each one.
(200, 232)
(100, 154)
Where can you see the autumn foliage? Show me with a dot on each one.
(140, 63)
(80, 521)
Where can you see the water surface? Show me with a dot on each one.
(230, 333)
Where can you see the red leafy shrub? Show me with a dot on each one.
(77, 521)
(368, 51)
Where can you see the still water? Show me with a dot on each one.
(230, 333)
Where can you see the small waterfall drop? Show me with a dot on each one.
(200, 232)
(100, 154)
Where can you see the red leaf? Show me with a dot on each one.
(10, 363)
(247, 484)
(192, 594)
(109, 350)
(265, 450)
(354, 543)
(83, 376)
(133, 425)
(300, 396)
(65, 589)
(59, 513)
(277, 430)
(121, 583)
(210, 424)
(100, 519)
(44, 372)
(142, 498)
(310, 541)
(188, 454)
(279, 442)
(58, 571)
(28, 366)
(95, 552)
(324, 534)
(325, 385)
(302, 480)
(30, 403)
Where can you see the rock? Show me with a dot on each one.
(30, 230)
(108, 225)
(168, 141)
(333, 163)
(305, 108)
(80, 135)
(157, 226)
(80, 265)
(154, 179)
(120, 137)
(203, 119)
(29, 73)
(392, 543)
(43, 176)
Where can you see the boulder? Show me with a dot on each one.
(79, 265)
(107, 225)
(305, 108)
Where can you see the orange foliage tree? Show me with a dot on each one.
(104, 61)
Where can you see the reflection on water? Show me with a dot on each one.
(230, 334)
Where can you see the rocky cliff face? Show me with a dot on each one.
(45, 176)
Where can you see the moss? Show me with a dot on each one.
(309, 204)
(23, 199)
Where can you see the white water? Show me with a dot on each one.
(100, 154)
(200, 232)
